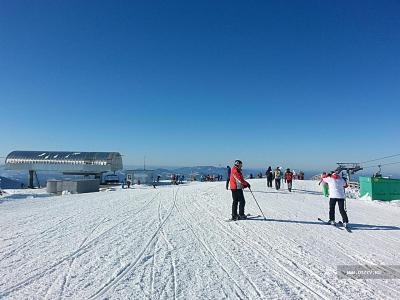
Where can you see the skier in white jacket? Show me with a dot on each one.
(336, 194)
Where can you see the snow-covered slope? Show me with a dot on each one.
(173, 243)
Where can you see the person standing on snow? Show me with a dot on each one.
(294, 175)
(237, 184)
(337, 194)
(324, 185)
(228, 176)
(288, 179)
(278, 175)
(270, 176)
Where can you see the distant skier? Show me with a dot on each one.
(337, 194)
(270, 176)
(288, 179)
(325, 189)
(172, 178)
(228, 176)
(277, 175)
(237, 184)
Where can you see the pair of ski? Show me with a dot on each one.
(338, 225)
(248, 217)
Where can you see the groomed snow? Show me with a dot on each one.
(173, 243)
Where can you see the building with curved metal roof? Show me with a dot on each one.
(65, 162)
(77, 163)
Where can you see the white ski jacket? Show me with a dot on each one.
(336, 186)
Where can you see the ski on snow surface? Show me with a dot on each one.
(249, 217)
(338, 225)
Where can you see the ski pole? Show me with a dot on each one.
(257, 204)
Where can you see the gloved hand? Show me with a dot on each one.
(248, 185)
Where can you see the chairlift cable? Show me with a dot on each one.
(393, 163)
(380, 158)
(381, 165)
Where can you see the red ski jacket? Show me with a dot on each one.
(237, 182)
(289, 176)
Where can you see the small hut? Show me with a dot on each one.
(140, 176)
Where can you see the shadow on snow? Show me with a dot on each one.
(22, 197)
(353, 226)
(285, 191)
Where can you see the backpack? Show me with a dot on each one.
(289, 176)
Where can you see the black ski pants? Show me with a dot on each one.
(269, 181)
(238, 198)
(332, 204)
(277, 183)
(227, 184)
(289, 185)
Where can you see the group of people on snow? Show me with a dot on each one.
(259, 175)
(177, 179)
(333, 186)
(278, 176)
(211, 177)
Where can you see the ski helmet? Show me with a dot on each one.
(238, 162)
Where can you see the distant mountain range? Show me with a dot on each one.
(7, 183)
(13, 179)
(211, 170)
(165, 173)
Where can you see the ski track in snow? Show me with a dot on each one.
(173, 243)
(81, 250)
(170, 255)
(227, 252)
(35, 238)
(319, 279)
(288, 259)
(72, 260)
(240, 293)
(296, 280)
(130, 266)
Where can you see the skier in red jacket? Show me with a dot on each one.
(237, 184)
(288, 178)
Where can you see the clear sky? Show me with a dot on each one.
(295, 83)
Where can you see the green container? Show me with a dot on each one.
(380, 188)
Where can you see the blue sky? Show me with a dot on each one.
(296, 83)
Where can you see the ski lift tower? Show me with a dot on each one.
(350, 168)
